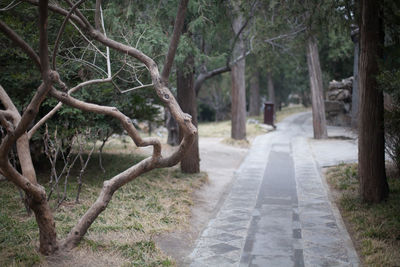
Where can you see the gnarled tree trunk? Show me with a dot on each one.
(187, 100)
(36, 202)
(371, 144)
(317, 95)
(17, 125)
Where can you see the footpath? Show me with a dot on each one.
(278, 211)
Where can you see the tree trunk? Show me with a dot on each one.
(254, 105)
(187, 100)
(354, 94)
(371, 145)
(47, 226)
(41, 209)
(317, 98)
(238, 91)
(271, 89)
(39, 205)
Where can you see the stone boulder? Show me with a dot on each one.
(338, 102)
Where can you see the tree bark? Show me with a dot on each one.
(254, 105)
(36, 195)
(317, 96)
(176, 34)
(187, 100)
(47, 226)
(37, 202)
(354, 93)
(371, 145)
(170, 123)
(238, 91)
(271, 89)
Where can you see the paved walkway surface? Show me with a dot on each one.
(278, 212)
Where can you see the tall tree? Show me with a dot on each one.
(238, 91)
(317, 94)
(371, 143)
(354, 96)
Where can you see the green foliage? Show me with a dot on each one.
(281, 30)
(77, 62)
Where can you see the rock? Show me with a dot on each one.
(345, 84)
(334, 107)
(340, 119)
(339, 95)
(338, 102)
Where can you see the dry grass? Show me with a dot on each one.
(236, 143)
(287, 111)
(375, 228)
(223, 129)
(122, 235)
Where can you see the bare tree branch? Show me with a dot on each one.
(60, 32)
(286, 35)
(20, 43)
(203, 76)
(51, 113)
(11, 5)
(206, 75)
(133, 89)
(107, 48)
(80, 15)
(5, 117)
(60, 11)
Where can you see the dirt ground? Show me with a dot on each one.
(220, 162)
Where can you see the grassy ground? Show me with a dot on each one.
(375, 229)
(154, 203)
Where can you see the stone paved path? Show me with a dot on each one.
(278, 212)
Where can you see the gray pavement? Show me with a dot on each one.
(278, 212)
